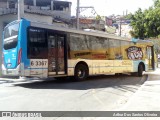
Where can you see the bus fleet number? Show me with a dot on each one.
(38, 63)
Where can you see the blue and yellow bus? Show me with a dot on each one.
(44, 50)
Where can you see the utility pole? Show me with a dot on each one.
(20, 9)
(120, 27)
(77, 14)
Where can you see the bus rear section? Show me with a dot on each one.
(11, 51)
(14, 53)
(31, 51)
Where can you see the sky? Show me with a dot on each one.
(109, 7)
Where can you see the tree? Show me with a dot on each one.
(146, 23)
(98, 17)
(137, 24)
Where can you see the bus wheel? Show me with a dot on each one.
(118, 74)
(140, 70)
(81, 72)
(60, 78)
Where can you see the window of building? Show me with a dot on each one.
(12, 4)
(28, 2)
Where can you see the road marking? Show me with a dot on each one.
(93, 94)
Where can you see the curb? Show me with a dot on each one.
(132, 97)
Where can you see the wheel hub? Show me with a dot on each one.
(81, 73)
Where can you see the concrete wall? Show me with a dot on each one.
(38, 18)
(56, 14)
(62, 14)
(3, 5)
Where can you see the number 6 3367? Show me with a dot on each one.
(38, 63)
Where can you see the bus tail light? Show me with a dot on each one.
(2, 58)
(19, 56)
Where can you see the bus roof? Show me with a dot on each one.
(71, 30)
(144, 41)
(13, 22)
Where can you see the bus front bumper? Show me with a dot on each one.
(10, 72)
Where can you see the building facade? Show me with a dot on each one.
(89, 23)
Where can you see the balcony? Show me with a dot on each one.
(46, 10)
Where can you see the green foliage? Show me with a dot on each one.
(146, 23)
(156, 45)
(156, 3)
(98, 17)
(129, 16)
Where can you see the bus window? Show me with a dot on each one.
(124, 46)
(96, 42)
(37, 44)
(52, 51)
(115, 50)
(78, 42)
(99, 47)
(11, 31)
(56, 50)
(149, 56)
(60, 55)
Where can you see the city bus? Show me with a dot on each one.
(34, 49)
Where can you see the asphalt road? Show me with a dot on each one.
(95, 94)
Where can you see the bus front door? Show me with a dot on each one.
(56, 54)
(150, 57)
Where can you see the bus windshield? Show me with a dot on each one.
(10, 36)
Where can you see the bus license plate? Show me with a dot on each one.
(9, 72)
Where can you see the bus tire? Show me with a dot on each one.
(140, 70)
(60, 78)
(118, 74)
(81, 72)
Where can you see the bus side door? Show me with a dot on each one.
(150, 57)
(56, 53)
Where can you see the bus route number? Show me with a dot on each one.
(38, 63)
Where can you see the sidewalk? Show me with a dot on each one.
(147, 98)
